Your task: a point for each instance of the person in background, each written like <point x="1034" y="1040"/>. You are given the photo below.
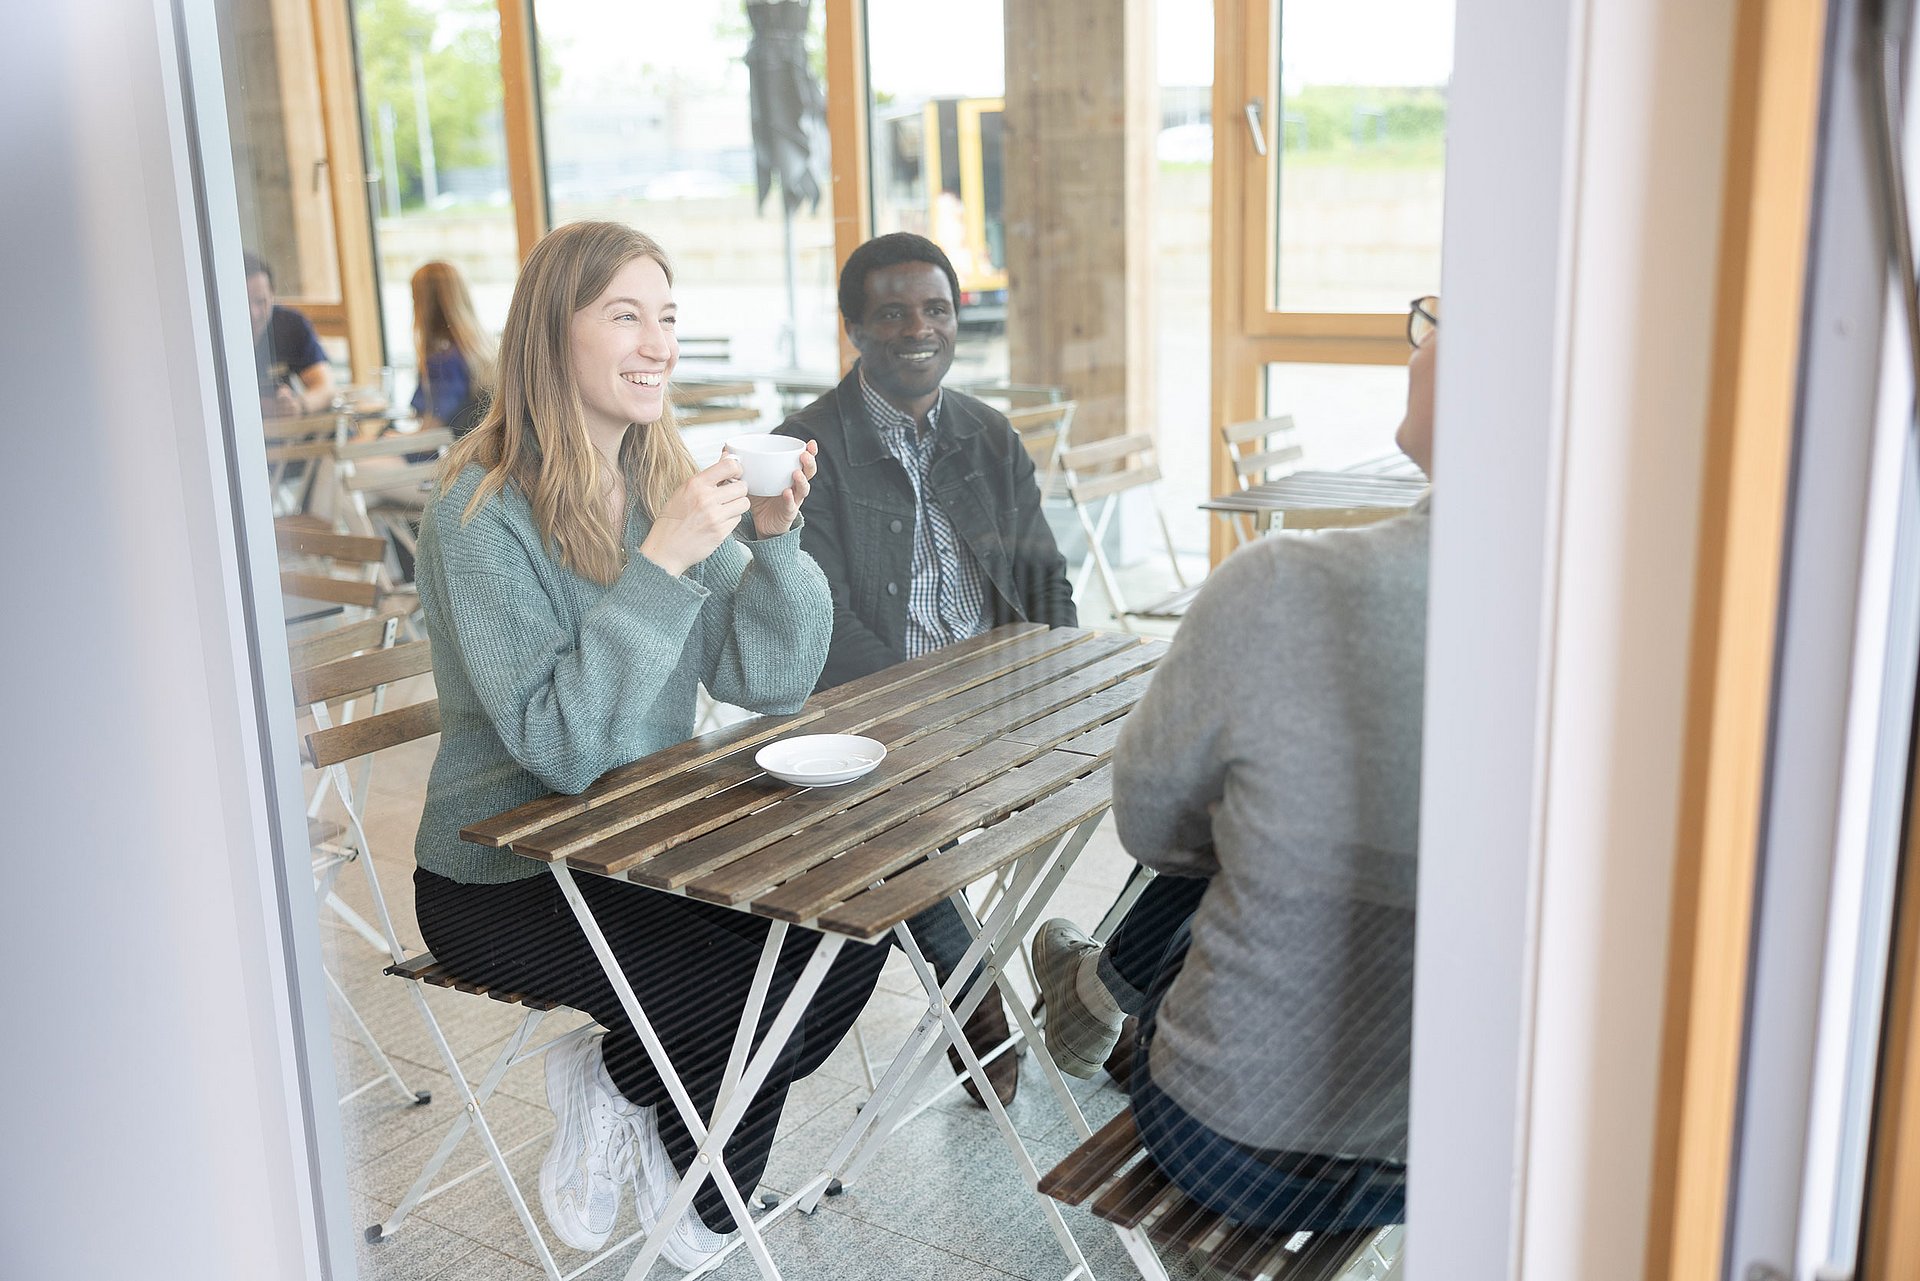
<point x="1271" y="775"/>
<point x="453" y="353"/>
<point x="580" y="580"/>
<point x="926" y="519"/>
<point x="292" y="369"/>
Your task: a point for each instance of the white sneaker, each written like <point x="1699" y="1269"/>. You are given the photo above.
<point x="689" y="1243"/>
<point x="592" y="1155"/>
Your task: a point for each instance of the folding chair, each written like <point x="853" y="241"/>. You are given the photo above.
<point x="1044" y="430"/>
<point x="1260" y="450"/>
<point x="365" y="585"/>
<point x="384" y="498"/>
<point x="342" y="682"/>
<point x="1128" y="1190"/>
<point x="1097" y="475"/>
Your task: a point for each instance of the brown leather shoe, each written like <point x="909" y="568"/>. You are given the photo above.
<point x="985" y="1029"/>
<point x="1119" y="1064"/>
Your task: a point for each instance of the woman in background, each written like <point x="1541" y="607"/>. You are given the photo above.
<point x="453" y="353"/>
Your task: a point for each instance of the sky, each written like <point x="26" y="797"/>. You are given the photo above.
<point x="1382" y="42"/>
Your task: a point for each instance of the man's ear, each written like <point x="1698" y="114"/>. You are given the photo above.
<point x="857" y="335"/>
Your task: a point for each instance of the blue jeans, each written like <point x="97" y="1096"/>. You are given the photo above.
<point x="1292" y="1191"/>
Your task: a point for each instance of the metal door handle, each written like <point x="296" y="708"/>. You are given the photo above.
<point x="1255" y="127"/>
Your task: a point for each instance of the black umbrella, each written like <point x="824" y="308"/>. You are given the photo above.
<point x="789" y="120"/>
<point x="789" y="108"/>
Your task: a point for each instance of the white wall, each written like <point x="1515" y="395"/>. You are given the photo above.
<point x="1583" y="196"/>
<point x="149" y="1091"/>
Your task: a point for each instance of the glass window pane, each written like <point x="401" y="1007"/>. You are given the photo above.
<point x="647" y="119"/>
<point x="430" y="99"/>
<point x="1360" y="166"/>
<point x="1344" y="414"/>
<point x="937" y="117"/>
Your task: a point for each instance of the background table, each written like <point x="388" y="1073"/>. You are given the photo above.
<point x="1322" y="499"/>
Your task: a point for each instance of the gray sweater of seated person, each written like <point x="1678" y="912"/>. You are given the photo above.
<point x="1283" y="730"/>
<point x="547" y="680"/>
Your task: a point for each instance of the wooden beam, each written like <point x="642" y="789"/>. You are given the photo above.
<point x="848" y="138"/>
<point x="315" y="266"/>
<point x="1080" y="125"/>
<point x="520" y="104"/>
<point x="1236" y="369"/>
<point x="1765" y="223"/>
<point x="347" y="179"/>
<point x="1892" y="1231"/>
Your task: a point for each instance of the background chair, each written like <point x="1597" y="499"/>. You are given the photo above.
<point x="1097" y="475"/>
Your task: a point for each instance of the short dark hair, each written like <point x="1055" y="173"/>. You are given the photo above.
<point x="257" y="266"/>
<point x="888" y="251"/>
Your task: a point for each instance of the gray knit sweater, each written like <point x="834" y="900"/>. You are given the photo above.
<point x="1278" y="751"/>
<point x="547" y="680"/>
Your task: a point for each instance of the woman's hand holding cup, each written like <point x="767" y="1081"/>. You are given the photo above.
<point x="698" y="518"/>
<point x="773" y="513"/>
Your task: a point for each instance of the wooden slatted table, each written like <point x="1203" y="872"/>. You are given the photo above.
<point x="1003" y="740"/>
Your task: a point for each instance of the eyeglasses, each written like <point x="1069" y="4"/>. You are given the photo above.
<point x="1423" y="318"/>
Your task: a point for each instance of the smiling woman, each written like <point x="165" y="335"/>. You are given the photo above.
<point x="580" y="580"/>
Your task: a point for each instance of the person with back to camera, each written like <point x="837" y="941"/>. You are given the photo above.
<point x="580" y="578"/>
<point x="1271" y="775"/>
<point x="926" y="519"/>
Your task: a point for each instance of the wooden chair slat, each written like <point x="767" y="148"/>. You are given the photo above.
<point x="699" y="391"/>
<point x="1092" y="491"/>
<point x="1112" y="450"/>
<point x="1187" y="1225"/>
<point x="351" y="675"/>
<point x="300" y="451"/>
<point x="393" y="446"/>
<point x="1267" y="459"/>
<point x="1324" y="1257"/>
<point x="807" y="896"/>
<point x="1129" y="1199"/>
<point x="389" y="729"/>
<point x="871" y="914"/>
<point x="357" y="548"/>
<point x="1094" y="1161"/>
<point x="1257" y="429"/>
<point x="705" y="415"/>
<point x="788" y="858"/>
<point x="720" y="849"/>
<point x="504" y="829"/>
<point x="1025" y="418"/>
<point x="409" y="477"/>
<point x="368" y="633"/>
<point x="339" y="591"/>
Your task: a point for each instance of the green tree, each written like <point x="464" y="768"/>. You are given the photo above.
<point x="458" y="42"/>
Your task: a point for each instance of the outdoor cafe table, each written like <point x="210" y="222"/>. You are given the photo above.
<point x="1006" y="737"/>
<point x="1318" y="499"/>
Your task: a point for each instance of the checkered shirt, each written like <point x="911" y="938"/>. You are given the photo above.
<point x="947" y="599"/>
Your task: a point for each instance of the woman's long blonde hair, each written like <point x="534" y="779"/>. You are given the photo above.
<point x="535" y="434"/>
<point x="443" y="317"/>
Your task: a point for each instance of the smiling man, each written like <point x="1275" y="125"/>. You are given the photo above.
<point x="925" y="514"/>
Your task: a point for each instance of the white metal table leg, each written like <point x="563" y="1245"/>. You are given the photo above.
<point x="709" y="1162"/>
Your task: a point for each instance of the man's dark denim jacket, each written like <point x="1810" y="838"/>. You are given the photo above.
<point x="859" y="523"/>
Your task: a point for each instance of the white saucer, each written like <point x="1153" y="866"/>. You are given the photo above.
<point x="820" y="760"/>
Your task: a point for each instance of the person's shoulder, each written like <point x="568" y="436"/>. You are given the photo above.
<point x="818" y="420"/>
<point x="446" y="360"/>
<point x="1326" y="564"/>
<point x="291" y="321"/>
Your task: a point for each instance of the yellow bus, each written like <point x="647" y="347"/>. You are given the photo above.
<point x="941" y="167"/>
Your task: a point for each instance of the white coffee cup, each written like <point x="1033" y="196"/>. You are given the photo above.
<point x="768" y="461"/>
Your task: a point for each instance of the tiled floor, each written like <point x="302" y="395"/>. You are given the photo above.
<point x="944" y="1200"/>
